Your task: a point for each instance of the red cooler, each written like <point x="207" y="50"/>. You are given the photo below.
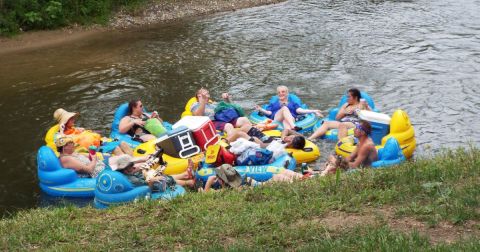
<point x="203" y="130"/>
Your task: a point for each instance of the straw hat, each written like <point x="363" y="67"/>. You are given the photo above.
<point x="62" y="116"/>
<point x="63" y="140"/>
<point x="229" y="175"/>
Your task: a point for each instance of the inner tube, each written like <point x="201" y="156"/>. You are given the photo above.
<point x="57" y="181"/>
<point x="391" y="153"/>
<point x="305" y="121"/>
<point x="332" y="135"/>
<point x="174" y="165"/>
<point x="309" y="153"/>
<point x="260" y="173"/>
<point x="113" y="188"/>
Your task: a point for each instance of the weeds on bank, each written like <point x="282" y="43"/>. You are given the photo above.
<point x="277" y="216"/>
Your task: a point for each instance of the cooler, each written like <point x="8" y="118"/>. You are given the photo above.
<point x="380" y="124"/>
<point x="178" y="143"/>
<point x="202" y="128"/>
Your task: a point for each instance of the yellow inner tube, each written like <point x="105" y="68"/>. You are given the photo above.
<point x="174" y="165"/>
<point x="400" y="129"/>
<point x="83" y="138"/>
<point x="309" y="154"/>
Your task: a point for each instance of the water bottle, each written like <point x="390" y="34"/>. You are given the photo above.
<point x="304" y="168"/>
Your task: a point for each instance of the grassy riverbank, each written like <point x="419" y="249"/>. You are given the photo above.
<point x="429" y="204"/>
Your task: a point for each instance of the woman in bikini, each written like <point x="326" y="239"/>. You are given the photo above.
<point x="133" y="124"/>
<point x="346" y="117"/>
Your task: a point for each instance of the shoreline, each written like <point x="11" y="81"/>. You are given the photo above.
<point x="152" y="13"/>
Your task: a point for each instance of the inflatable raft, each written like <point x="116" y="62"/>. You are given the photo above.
<point x="384" y="128"/>
<point x="57" y="181"/>
<point x="113" y="188"/>
<point x="309" y="153"/>
<point x="174" y="165"/>
<point x="332" y="135"/>
<point x="115" y="134"/>
<point x="305" y="121"/>
<point x="260" y="173"/>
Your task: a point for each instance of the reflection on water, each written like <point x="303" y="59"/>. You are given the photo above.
<point x="420" y="56"/>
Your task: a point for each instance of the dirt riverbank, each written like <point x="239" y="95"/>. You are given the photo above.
<point x="153" y="13"/>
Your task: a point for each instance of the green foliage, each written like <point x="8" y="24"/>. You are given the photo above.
<point x="50" y="14"/>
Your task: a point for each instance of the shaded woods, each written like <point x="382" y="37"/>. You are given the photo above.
<point x="24" y="15"/>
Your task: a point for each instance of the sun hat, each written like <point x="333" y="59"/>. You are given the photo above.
<point x="120" y="162"/>
<point x="63" y="140"/>
<point x="229" y="175"/>
<point x="62" y="116"/>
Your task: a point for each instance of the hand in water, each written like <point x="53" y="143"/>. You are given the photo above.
<point x="257" y="107"/>
<point x="318" y="113"/>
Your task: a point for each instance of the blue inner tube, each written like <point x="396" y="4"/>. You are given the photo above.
<point x="305" y="121"/>
<point x="57" y="181"/>
<point x="120" y="113"/>
<point x="260" y="173"/>
<point x="332" y="135"/>
<point x="114" y="188"/>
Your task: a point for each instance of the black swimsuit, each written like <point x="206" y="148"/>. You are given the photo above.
<point x="135" y="127"/>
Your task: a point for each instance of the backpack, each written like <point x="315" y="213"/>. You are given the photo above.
<point x="255" y="156"/>
<point x="226" y="115"/>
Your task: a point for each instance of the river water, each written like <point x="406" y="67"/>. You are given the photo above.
<point x="421" y="56"/>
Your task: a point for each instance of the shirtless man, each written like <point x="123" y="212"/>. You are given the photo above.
<point x="364" y="154"/>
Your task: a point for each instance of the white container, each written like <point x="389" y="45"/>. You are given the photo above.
<point x="380" y="124"/>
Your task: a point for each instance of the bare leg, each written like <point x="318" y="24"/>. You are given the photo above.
<point x="284" y="116"/>
<point x="236" y="134"/>
<point x="343" y="129"/>
<point x="330" y="166"/>
<point x="291" y="174"/>
<point x="324" y="128"/>
<point x="147" y="137"/>
<point x="126" y="148"/>
<point x="281" y="178"/>
<point x="242" y="121"/>
<point x="190" y="183"/>
<point x="117" y="151"/>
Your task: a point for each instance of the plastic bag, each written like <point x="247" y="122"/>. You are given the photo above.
<point x="241" y="145"/>
<point x="278" y="148"/>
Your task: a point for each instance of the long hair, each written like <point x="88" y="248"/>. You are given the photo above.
<point x="131" y="105"/>
<point x="355" y="93"/>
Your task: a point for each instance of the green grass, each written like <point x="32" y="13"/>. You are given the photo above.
<point x="437" y="191"/>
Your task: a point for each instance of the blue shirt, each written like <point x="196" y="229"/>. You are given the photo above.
<point x="276" y="106"/>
